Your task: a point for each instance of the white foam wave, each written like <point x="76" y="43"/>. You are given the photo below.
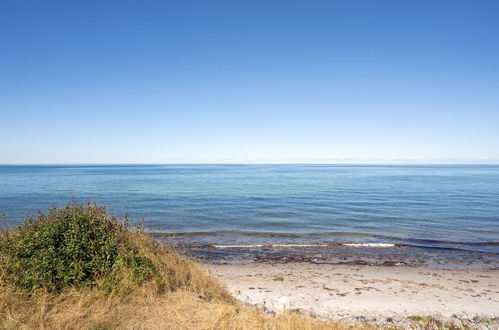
<point x="269" y="245"/>
<point x="252" y="246"/>
<point x="375" y="245"/>
<point x="237" y="246"/>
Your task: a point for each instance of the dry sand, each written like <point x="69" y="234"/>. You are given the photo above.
<point x="366" y="292"/>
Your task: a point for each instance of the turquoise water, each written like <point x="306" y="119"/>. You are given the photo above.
<point x="445" y="214"/>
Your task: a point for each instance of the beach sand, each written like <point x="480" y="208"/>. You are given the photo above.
<point x="367" y="293"/>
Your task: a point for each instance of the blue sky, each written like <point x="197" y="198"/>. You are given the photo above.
<point x="249" y="81"/>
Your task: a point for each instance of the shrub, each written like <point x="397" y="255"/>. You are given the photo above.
<point x="74" y="246"/>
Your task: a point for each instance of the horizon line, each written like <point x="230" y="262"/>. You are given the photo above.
<point x="249" y="163"/>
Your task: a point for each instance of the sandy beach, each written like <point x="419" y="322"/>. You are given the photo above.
<point x="368" y="293"/>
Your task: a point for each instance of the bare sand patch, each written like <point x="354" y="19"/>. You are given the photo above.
<point x="372" y="292"/>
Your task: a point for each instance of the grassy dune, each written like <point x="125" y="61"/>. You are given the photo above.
<point x="77" y="267"/>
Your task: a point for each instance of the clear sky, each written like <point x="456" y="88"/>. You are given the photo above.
<point x="249" y="81"/>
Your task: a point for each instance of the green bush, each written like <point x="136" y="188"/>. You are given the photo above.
<point x="77" y="245"/>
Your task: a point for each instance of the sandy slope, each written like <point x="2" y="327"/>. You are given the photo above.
<point x="350" y="291"/>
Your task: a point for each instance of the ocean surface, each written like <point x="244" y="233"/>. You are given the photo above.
<point x="437" y="216"/>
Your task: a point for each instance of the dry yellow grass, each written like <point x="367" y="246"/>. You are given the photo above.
<point x="178" y="310"/>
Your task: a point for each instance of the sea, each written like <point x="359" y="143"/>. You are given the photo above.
<point x="443" y="216"/>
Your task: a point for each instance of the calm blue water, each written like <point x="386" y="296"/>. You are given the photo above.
<point x="445" y="214"/>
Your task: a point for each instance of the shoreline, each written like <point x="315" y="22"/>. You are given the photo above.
<point x="384" y="295"/>
<point x="229" y="250"/>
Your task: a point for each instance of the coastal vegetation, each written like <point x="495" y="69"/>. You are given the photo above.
<point x="79" y="267"/>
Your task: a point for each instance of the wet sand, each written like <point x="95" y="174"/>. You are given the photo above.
<point x="365" y="292"/>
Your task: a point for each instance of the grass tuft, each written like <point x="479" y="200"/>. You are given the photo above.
<point x="419" y="318"/>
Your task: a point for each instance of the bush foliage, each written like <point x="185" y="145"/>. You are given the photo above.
<point x="73" y="246"/>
